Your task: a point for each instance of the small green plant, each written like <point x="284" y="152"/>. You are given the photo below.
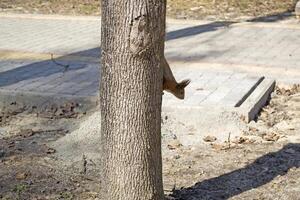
<point x="19" y="189"/>
<point x="5" y="198"/>
<point x="66" y="196"/>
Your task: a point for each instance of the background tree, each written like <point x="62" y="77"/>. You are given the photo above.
<point x="133" y="33"/>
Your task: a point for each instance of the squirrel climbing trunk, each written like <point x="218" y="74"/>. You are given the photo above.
<point x="169" y="82"/>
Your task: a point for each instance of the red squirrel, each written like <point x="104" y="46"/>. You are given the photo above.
<point x="169" y="82"/>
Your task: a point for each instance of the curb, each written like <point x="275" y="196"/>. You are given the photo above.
<point x="257" y="99"/>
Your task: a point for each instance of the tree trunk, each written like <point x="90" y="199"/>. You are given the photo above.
<point x="132" y="40"/>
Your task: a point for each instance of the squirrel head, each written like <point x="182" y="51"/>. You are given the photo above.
<point x="180" y="89"/>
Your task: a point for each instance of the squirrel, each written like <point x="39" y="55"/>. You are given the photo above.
<point x="169" y="82"/>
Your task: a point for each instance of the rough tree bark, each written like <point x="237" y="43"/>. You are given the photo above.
<point x="132" y="38"/>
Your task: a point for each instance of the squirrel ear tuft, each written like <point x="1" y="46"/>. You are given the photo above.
<point x="184" y="83"/>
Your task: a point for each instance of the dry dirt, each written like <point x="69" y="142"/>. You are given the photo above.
<point x="188" y="9"/>
<point x="38" y="158"/>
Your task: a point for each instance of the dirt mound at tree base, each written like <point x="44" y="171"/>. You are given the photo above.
<point x="83" y="141"/>
<point x="86" y="140"/>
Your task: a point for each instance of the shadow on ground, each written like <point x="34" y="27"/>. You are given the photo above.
<point x="273" y="17"/>
<point x="260" y="172"/>
<point x="213" y="26"/>
<point x="196" y="30"/>
<point x="39" y="71"/>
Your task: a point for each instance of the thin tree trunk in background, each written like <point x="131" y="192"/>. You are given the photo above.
<point x="132" y="41"/>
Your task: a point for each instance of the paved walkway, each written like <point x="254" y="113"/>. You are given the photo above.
<point x="224" y="60"/>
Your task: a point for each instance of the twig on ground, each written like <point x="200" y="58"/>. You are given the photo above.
<point x="66" y="67"/>
<point x="84" y="163"/>
<point x="229" y="140"/>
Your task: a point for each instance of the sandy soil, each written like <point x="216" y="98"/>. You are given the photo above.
<point x="56" y="158"/>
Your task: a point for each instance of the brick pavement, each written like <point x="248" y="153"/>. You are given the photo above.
<point x="26" y="45"/>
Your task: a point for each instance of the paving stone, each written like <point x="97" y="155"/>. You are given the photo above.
<point x="78" y="41"/>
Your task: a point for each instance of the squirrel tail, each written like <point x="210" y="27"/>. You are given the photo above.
<point x="183" y="84"/>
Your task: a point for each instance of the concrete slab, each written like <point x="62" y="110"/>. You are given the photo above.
<point x="257" y="99"/>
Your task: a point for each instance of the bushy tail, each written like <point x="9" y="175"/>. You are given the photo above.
<point x="179" y="90"/>
<point x="183" y="84"/>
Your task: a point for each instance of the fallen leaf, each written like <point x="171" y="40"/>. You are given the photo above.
<point x="209" y="139"/>
<point x="174" y="144"/>
<point x="22" y="175"/>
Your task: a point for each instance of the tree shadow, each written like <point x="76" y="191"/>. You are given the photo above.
<point x="273" y="17"/>
<point x="39" y="71"/>
<point x="260" y="172"/>
<point x="196" y="30"/>
<point x="214" y="26"/>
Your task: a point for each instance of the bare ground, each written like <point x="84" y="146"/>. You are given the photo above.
<point x="261" y="164"/>
<point x="189" y="9"/>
